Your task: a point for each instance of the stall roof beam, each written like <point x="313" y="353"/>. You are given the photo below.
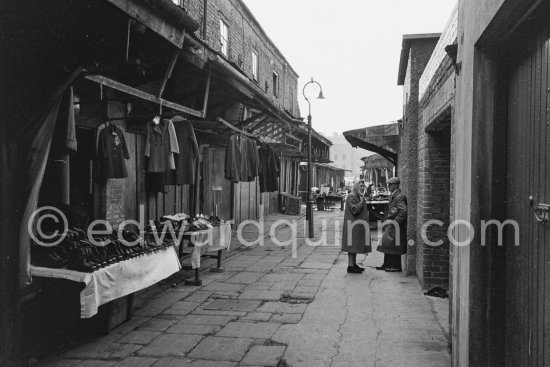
<point x="141" y="94"/>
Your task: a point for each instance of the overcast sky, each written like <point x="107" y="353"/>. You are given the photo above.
<point x="352" y="48"/>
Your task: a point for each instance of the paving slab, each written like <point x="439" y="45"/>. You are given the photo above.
<point x="222" y="286"/>
<point x="137" y="362"/>
<point x="157" y="305"/>
<point x="103" y="351"/>
<point x="310" y="282"/>
<point x="263" y="356"/>
<point x="257" y="316"/>
<point x="284" y="286"/>
<point x="207" y="320"/>
<point x="198" y="296"/>
<point x="179" y="362"/>
<point x="249" y="329"/>
<point x="222" y="349"/>
<point x="60" y="363"/>
<point x="139" y="337"/>
<point x="201" y="311"/>
<point x="169" y="346"/>
<point x="260" y="294"/>
<point x="310" y="290"/>
<point x="283" y="307"/>
<point x="281" y="277"/>
<point x="260" y="285"/>
<point x="232" y="305"/>
<point x="156" y="324"/>
<point x="184" y="328"/>
<point x="286" y="318"/>
<point x="245" y="277"/>
<point x="96" y="363"/>
<point x="181" y="308"/>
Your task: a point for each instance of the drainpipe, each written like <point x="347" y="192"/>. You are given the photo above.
<point x="204" y="19"/>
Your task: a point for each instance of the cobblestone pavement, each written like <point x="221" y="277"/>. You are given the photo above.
<point x="274" y="303"/>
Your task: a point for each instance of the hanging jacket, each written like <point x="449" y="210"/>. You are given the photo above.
<point x="111" y="152"/>
<point x="253" y="160"/>
<point x="160" y="146"/>
<point x="269" y="167"/>
<point x="188" y="152"/>
<point x="233" y="159"/>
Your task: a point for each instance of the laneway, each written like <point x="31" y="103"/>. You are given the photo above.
<point x="268" y="305"/>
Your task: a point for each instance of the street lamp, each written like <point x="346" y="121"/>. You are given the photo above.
<point x="309" y="202"/>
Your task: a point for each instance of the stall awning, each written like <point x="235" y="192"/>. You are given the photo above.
<point x="381" y="139"/>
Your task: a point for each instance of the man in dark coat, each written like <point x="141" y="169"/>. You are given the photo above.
<point x="388" y="245"/>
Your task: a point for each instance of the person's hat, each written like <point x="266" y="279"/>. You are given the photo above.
<point x="394" y="180"/>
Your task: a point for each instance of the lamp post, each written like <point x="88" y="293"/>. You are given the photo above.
<point x="309" y="202"/>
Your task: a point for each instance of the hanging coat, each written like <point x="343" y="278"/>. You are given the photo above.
<point x="397" y="211"/>
<point x="253" y="160"/>
<point x="112" y="152"/>
<point x="356" y="217"/>
<point x="160" y="146"/>
<point x="188" y="152"/>
<point x="233" y="159"/>
<point x="269" y="169"/>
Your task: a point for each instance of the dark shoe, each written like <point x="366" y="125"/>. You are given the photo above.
<point x="354" y="270"/>
<point x="392" y="270"/>
<point x="358" y="267"/>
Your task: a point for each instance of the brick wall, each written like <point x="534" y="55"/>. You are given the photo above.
<point x="420" y="53"/>
<point x="246" y="35"/>
<point x="435" y="131"/>
<point x="448" y="37"/>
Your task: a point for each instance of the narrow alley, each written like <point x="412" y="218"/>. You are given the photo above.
<point x="268" y="307"/>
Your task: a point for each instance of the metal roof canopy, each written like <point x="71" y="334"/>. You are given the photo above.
<point x="381" y="139"/>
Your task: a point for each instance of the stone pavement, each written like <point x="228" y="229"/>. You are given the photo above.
<point x="270" y="305"/>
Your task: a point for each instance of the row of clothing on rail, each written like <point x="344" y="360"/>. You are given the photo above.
<point x="170" y="146"/>
<point x="244" y="161"/>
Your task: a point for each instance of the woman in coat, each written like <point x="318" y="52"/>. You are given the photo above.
<point x="356" y="232"/>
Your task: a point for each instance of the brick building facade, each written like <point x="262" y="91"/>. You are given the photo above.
<point x="415" y="54"/>
<point x="436" y="101"/>
<point x="273" y="74"/>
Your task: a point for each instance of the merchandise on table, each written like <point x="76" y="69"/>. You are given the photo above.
<point x="77" y="252"/>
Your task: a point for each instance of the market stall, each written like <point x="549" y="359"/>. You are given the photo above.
<point x="117" y="280"/>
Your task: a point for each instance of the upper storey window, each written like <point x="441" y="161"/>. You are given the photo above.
<point x="255" y="66"/>
<point x="224" y="38"/>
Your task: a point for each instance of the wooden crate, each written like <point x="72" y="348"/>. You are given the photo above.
<point x="289" y="204"/>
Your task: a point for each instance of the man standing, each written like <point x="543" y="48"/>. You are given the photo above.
<point x="393" y="247"/>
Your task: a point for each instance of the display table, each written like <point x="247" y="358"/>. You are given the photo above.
<point x="325" y="202"/>
<point x="116" y="280"/>
<point x="199" y="243"/>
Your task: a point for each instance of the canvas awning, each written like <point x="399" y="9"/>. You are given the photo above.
<point x="381" y="139"/>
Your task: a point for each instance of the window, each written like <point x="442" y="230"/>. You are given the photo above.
<point x="336" y="157"/>
<point x="255" y="65"/>
<point x="344" y="157"/>
<point x="275" y="84"/>
<point x="224" y="38"/>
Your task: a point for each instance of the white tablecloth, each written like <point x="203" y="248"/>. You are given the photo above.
<point x="116" y="280"/>
<point x="217" y="238"/>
